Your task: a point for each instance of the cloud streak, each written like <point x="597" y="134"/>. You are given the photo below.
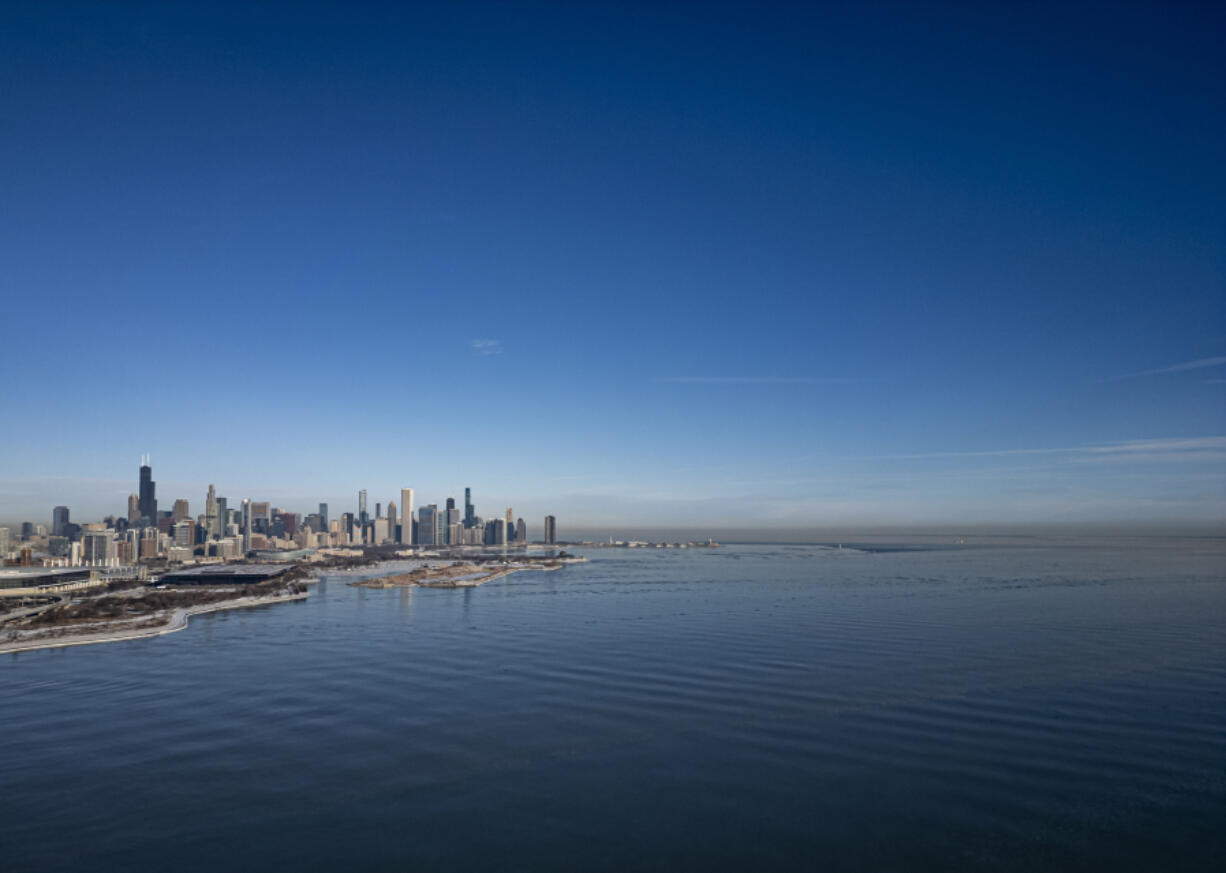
<point x="486" y="346"/>
<point x="751" y="380"/>
<point x="1169" y="449"/>
<point x="1198" y="364"/>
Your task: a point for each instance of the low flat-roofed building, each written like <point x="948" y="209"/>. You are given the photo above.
<point x="277" y="555"/>
<point x="225" y="574"/>
<point x="39" y="577"/>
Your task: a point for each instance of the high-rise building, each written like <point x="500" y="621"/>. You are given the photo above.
<point x="133" y="509"/>
<point x="450" y="521"/>
<point x="427" y="525"/>
<point x="211" y="520"/>
<point x="323" y="517"/>
<point x="148" y="491"/>
<point x="27" y="531"/>
<point x="261" y="516"/>
<point x="450" y="503"/>
<point x="246" y="525"/>
<point x="181" y="511"/>
<point x="392" y="521"/>
<point x="469" y="512"/>
<point x="182" y="534"/>
<point x="521" y="531"/>
<point x="59" y="520"/>
<point x="4" y="542"/>
<point x="406" y="516"/>
<point x="223" y="518"/>
<point x="362" y="507"/>
<point x="96" y="546"/>
<point x="551" y="530"/>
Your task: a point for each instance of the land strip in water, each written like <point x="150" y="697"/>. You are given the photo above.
<point x="459" y="574"/>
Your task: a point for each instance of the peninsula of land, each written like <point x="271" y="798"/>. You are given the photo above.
<point x="461" y="574"/>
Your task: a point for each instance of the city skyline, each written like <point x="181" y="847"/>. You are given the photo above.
<point x="790" y="267"/>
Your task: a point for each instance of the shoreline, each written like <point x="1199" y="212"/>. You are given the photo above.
<point x="176" y="621"/>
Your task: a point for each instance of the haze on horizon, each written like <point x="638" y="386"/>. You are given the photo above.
<point x="668" y="266"/>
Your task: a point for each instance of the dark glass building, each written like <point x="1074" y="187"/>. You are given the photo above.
<point x="59" y="521"/>
<point x="148" y="503"/>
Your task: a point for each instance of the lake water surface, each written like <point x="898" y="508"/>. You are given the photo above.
<point x="1027" y="706"/>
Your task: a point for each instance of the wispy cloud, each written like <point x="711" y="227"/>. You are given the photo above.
<point x="1173" y="449"/>
<point x="486" y="346"/>
<point x="1198" y="364"/>
<point x="751" y="380"/>
<point x="1163" y="445"/>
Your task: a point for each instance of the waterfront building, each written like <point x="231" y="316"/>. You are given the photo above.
<point x="551" y="530"/>
<point x="148" y="491"/>
<point x="521" y="531"/>
<point x="406" y="517"/>
<point x="59" y="520"/>
<point x="183" y="534"/>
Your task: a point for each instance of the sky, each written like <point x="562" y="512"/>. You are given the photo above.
<point x="712" y="265"/>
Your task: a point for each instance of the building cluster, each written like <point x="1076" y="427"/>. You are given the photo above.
<point x="224" y="532"/>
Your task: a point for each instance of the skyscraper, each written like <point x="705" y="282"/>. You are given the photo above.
<point x="133" y="509"/>
<point x="469" y="512"/>
<point x="246" y="525"/>
<point x="362" y="507"/>
<point x="59" y="520"/>
<point x="551" y="530"/>
<point x="521" y="531"/>
<point x="427" y="525"/>
<point x="323" y="517"/>
<point x="406" y="516"/>
<point x="451" y="524"/>
<point x="210" y="513"/>
<point x="148" y="491"/>
<point x="181" y="511"/>
<point x="391" y="521"/>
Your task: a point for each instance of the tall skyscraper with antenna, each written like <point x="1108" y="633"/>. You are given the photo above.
<point x="148" y="500"/>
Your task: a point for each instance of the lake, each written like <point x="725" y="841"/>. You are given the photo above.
<point x="1022" y="705"/>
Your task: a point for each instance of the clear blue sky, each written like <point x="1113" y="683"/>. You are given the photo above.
<point x="698" y="265"/>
